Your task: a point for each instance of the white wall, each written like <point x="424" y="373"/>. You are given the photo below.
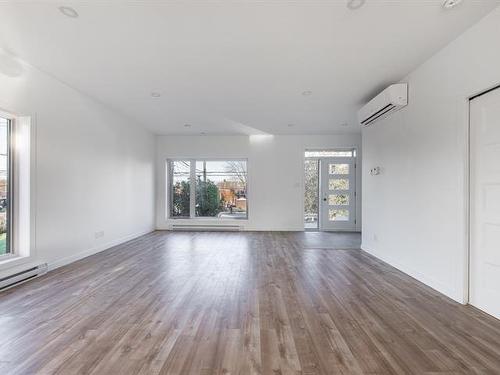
<point x="94" y="169"/>
<point x="275" y="173"/>
<point x="414" y="212"/>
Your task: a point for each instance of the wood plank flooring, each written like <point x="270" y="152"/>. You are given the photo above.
<point x="239" y="303"/>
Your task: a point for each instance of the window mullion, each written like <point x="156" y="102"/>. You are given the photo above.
<point x="192" y="189"/>
<point x="169" y="211"/>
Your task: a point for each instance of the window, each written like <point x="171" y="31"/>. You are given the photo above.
<point x="311" y="193"/>
<point x="5" y="190"/>
<point x="338" y="215"/>
<point x="181" y="171"/>
<point x="219" y="186"/>
<point x="16" y="208"/>
<point x="330" y="154"/>
<point x="338" y="184"/>
<point x="338" y="199"/>
<point x="338" y="169"/>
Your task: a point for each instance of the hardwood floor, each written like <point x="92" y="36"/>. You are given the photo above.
<point x="239" y="303"/>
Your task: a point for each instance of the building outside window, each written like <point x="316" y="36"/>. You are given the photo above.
<point x="5" y="190"/>
<point x="219" y="186"/>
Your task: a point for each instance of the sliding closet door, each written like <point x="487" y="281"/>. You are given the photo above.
<point x="485" y="202"/>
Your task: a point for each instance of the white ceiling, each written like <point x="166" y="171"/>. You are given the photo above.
<point x="234" y="67"/>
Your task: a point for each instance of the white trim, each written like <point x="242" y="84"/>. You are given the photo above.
<point x="83" y="254"/>
<point x="480" y="92"/>
<point x="24" y="190"/>
<point x="467" y="203"/>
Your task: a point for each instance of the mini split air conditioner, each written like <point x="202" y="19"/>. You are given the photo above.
<point x="390" y="100"/>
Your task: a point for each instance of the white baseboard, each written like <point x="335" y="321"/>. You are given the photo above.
<point x="425" y="279"/>
<point x="95" y="250"/>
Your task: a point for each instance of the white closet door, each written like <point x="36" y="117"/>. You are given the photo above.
<point x="485" y="202"/>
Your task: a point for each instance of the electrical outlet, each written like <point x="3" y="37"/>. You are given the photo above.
<point x="99" y="234"/>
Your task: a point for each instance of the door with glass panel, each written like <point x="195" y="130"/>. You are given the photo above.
<point x="337" y="193"/>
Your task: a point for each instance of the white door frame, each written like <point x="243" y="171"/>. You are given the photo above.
<point x="356" y="149"/>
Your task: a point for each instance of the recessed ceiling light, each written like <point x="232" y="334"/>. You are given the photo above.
<point x="306" y="93"/>
<point x="355" y="4"/>
<point x="155" y="94"/>
<point x="187" y="125"/>
<point x="448" y="4"/>
<point x="68" y="11"/>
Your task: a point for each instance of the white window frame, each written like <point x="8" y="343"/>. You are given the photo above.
<point x="22" y="172"/>
<point x="10" y="193"/>
<point x="192" y="188"/>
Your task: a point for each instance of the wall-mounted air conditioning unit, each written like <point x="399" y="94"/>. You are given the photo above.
<point x="388" y="101"/>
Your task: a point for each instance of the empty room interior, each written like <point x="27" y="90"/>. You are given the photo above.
<point x="249" y="187"/>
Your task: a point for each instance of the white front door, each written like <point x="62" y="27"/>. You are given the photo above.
<point x="337" y="193"/>
<point x="485" y="202"/>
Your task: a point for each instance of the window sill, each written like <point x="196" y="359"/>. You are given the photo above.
<point x="6" y="257"/>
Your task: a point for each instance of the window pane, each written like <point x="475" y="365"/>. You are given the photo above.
<point x="180" y="172"/>
<point x="338" y="184"/>
<point x="338" y="168"/>
<point x="329" y="154"/>
<point x="338" y="200"/>
<point x="221" y="189"/>
<point x="4" y="186"/>
<point x="338" y="215"/>
<point x="311" y="197"/>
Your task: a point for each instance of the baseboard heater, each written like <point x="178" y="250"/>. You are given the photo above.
<point x="207" y="227"/>
<point x="22" y="277"/>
